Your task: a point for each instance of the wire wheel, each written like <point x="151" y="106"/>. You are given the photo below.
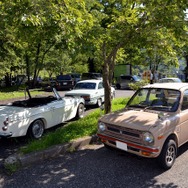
<point x="80" y="111"/>
<point x="36" y="129"/>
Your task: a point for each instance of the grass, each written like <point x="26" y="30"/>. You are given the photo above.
<point x="14" y="92"/>
<point x="73" y="130"/>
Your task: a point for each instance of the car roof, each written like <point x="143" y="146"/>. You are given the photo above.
<point x="92" y="81"/>
<point x="176" y="86"/>
<point x="169" y="78"/>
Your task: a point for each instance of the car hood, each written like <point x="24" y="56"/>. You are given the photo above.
<point x="78" y="92"/>
<point x="137" y="119"/>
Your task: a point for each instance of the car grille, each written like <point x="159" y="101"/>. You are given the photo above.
<point x="124" y="134"/>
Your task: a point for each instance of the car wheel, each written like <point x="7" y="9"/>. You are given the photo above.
<point x="99" y="102"/>
<point x="168" y="154"/>
<point x="118" y="86"/>
<point x="36" y="129"/>
<point x="80" y="111"/>
<point x="113" y="96"/>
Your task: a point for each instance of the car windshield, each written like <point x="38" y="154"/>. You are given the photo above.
<point x="136" y="78"/>
<point x="156" y="99"/>
<point x="85" y="85"/>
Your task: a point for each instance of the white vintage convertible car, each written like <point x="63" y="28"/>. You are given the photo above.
<point x="35" y="114"/>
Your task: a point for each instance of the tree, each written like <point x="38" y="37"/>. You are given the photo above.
<point x="130" y="24"/>
<point x="40" y="27"/>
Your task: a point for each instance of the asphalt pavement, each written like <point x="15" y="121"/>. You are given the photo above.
<point x="98" y="167"/>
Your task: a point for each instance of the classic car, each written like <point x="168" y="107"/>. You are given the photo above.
<point x="123" y="81"/>
<point x="91" y="90"/>
<point x="170" y="79"/>
<point x="153" y="124"/>
<point x="35" y="114"/>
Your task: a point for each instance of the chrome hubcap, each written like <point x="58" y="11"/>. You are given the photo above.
<point x="170" y="154"/>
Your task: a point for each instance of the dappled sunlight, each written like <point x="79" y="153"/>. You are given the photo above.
<point x="94" y="168"/>
<point x="132" y="117"/>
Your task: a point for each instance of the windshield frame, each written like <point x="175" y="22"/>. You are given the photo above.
<point x="152" y="95"/>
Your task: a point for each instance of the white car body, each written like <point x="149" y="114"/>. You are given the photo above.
<point x="91" y="90"/>
<point x="17" y="118"/>
<point x="169" y="80"/>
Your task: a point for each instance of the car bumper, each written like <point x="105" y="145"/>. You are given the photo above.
<point x="91" y="102"/>
<point x="5" y="135"/>
<point x="140" y="150"/>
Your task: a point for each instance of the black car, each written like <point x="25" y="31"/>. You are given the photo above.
<point x="91" y="75"/>
<point x="65" y="82"/>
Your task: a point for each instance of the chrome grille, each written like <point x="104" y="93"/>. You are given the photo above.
<point x="124" y="134"/>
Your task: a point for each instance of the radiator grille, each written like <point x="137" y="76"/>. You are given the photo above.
<point x="124" y="134"/>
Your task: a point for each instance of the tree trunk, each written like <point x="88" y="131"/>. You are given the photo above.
<point x="107" y="90"/>
<point x="36" y="65"/>
<point x="186" y="69"/>
<point x="108" y="69"/>
<point x="27" y="69"/>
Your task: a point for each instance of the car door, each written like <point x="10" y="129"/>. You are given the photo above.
<point x="184" y="119"/>
<point x="57" y="109"/>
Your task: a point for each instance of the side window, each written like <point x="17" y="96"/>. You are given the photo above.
<point x="100" y="86"/>
<point x="185" y="101"/>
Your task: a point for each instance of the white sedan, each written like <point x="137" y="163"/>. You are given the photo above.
<point x="169" y="80"/>
<point x="91" y="90"/>
<point x="33" y="115"/>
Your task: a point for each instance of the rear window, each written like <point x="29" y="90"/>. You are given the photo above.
<point x="65" y="77"/>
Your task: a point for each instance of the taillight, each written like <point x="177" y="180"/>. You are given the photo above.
<point x="86" y="97"/>
<point x="6" y="122"/>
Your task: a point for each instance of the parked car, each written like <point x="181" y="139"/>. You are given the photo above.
<point x="167" y="80"/>
<point x="35" y="114"/>
<point x="76" y="77"/>
<point x="91" y="75"/>
<point x="65" y="82"/>
<point x="153" y="124"/>
<point x="91" y="90"/>
<point x="123" y="81"/>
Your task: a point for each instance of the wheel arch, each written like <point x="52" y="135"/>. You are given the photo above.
<point x="172" y="136"/>
<point x="42" y="119"/>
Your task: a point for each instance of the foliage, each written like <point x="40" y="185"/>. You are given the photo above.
<point x="149" y="29"/>
<point x="62" y="35"/>
<point x="137" y="85"/>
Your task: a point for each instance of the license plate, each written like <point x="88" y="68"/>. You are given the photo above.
<point x="65" y="83"/>
<point x="121" y="145"/>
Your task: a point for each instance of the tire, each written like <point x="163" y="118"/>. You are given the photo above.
<point x="168" y="154"/>
<point x="80" y="111"/>
<point x="99" y="102"/>
<point x="36" y="129"/>
<point x="113" y="96"/>
<point x="118" y="86"/>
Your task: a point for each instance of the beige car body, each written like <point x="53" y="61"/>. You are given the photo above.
<point x="124" y="129"/>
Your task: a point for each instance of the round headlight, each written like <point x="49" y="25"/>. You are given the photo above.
<point x="148" y="138"/>
<point x="101" y="126"/>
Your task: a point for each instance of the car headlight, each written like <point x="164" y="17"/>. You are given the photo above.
<point x="148" y="138"/>
<point x="101" y="127"/>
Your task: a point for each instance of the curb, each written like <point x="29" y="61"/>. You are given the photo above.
<point x="50" y="153"/>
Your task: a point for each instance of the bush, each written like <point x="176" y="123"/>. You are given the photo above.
<point x="137" y="85"/>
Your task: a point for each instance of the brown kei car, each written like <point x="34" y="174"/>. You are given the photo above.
<point x="153" y="124"/>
